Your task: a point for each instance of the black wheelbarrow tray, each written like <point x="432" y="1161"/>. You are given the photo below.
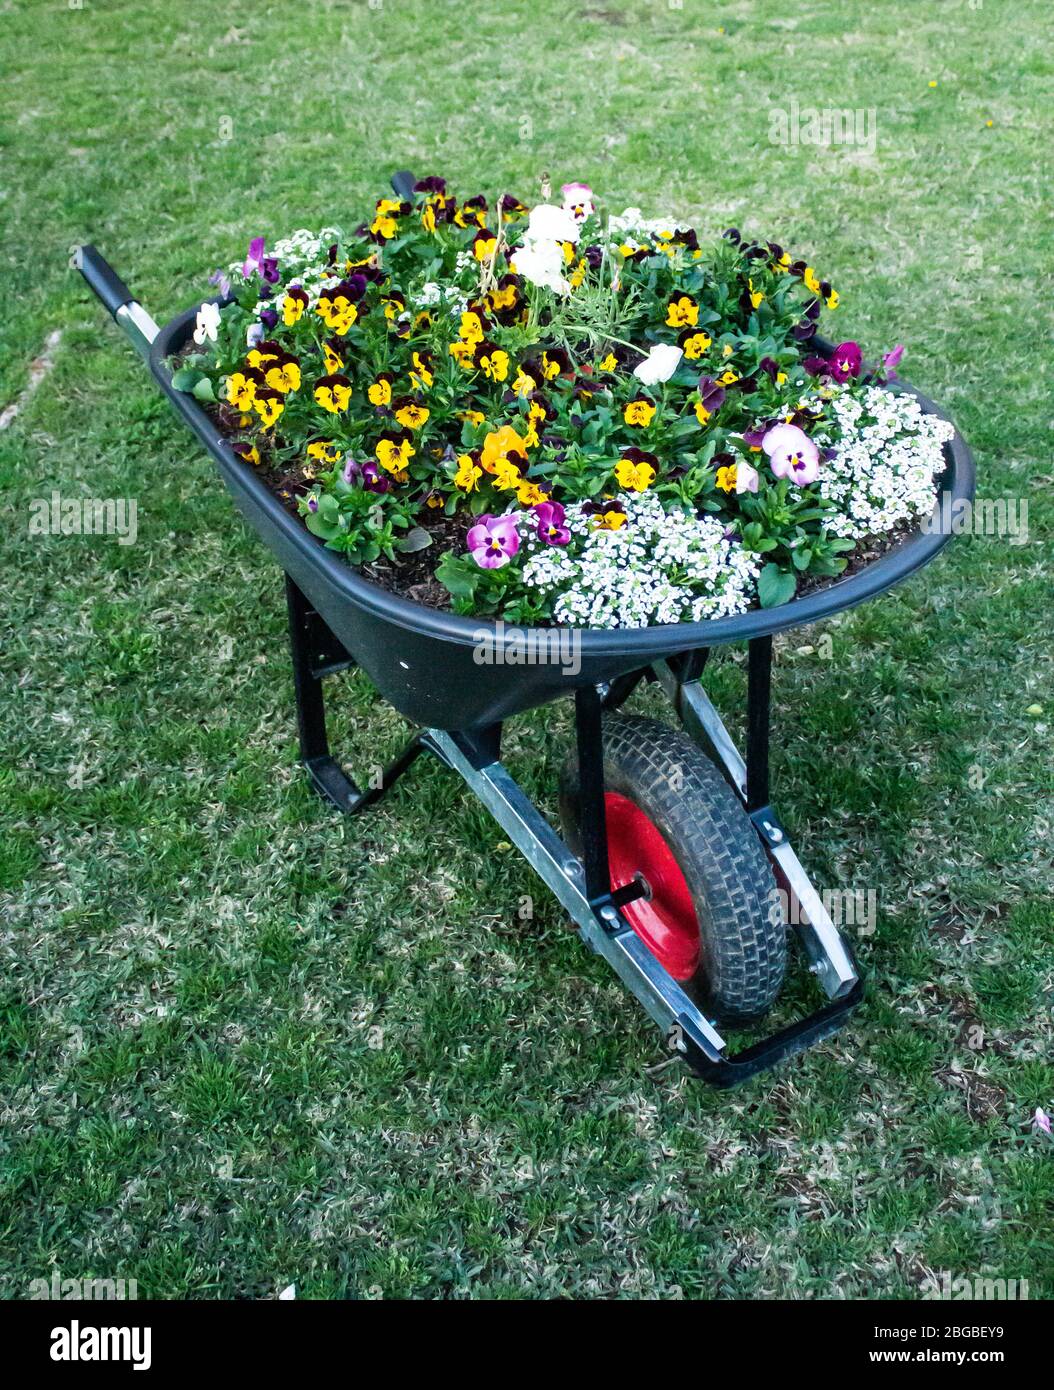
<point x="673" y="864"/>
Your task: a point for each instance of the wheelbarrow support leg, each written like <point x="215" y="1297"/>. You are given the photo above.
<point x="318" y="653"/>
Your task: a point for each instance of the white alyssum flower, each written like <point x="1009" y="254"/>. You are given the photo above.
<point x="632" y="226"/>
<point x="207" y="323"/>
<point x="659" y="365"/>
<point x="889" y="455"/>
<point x="659" y="567"/>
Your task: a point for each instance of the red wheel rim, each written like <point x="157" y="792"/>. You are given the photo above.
<point x="665" y="920"/>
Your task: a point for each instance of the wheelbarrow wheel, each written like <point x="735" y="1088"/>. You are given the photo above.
<point x="710" y="913"/>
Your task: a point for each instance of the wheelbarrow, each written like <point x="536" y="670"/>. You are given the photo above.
<point x="673" y="863"/>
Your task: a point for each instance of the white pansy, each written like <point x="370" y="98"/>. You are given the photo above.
<point x="659" y="365"/>
<point x="542" y="263"/>
<point x="207" y="323"/>
<point x="547" y="222"/>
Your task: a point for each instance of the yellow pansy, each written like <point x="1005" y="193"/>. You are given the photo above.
<point x="530" y="494"/>
<point x="695" y="344"/>
<point x="422" y="376"/>
<point x="682" y="312"/>
<point x="756" y="296"/>
<point x="394" y="455"/>
<point x="726" y="478"/>
<point x="608" y="364"/>
<point x="283" y="376"/>
<point x="241" y="390"/>
<point x="494" y="363"/>
<point x="524" y="383"/>
<point x="638" y="477"/>
<point x="325" y="451"/>
<point x="379" y="392"/>
<point x="507" y="475"/>
<point x="268" y="404"/>
<point x="411" y="415"/>
<point x="468" y="473"/>
<point x="471" y="327"/>
<point x="333" y="360"/>
<point x="810" y="280"/>
<point x="638" y="412"/>
<point x="294" y="302"/>
<point x="333" y="393"/>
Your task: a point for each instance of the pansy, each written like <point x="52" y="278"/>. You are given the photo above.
<point x="548" y="223"/>
<point x="336" y="308"/>
<point x="810" y="281"/>
<point x="473" y="326"/>
<point x="755" y="295"/>
<point x="484" y="244"/>
<point x="523" y="384"/>
<point x="379" y="392"/>
<point x="333" y="392"/>
<point x="891" y="361"/>
<point x="792" y="454"/>
<point x="384" y="225"/>
<point x="636" y="470"/>
<point x="711" y="399"/>
<point x="394" y="452"/>
<point x="682" y="312"/>
<point x="422" y="375"/>
<point x="551" y="529"/>
<point x="249" y="452"/>
<point x="372" y="479"/>
<point x="505" y="295"/>
<point x="608" y="363"/>
<point x="324" y="451"/>
<point x="410" y="414"/>
<point x="258" y="261"/>
<point x="493" y="541"/>
<point x="472" y="210"/>
<point x="659" y="365"/>
<point x="474" y="417"/>
<point x="542" y="263"/>
<point x="393" y="305"/>
<point x="242" y="388"/>
<point x="506" y="475"/>
<point x="284" y="375"/>
<point x="492" y="361"/>
<point x="263" y="352"/>
<point x="694" y="342"/>
<point x="846" y="361"/>
<point x="726" y="478"/>
<point x="294" y="302"/>
<point x="511" y="208"/>
<point x="578" y="200"/>
<point x="607" y="516"/>
<point x="468" y="472"/>
<point x="639" y="412"/>
<point x="464" y="353"/>
<point x="207" y="323"/>
<point x="746" y="478"/>
<point x="530" y="494"/>
<point x="555" y="362"/>
<point x="268" y="404"/>
<point x="222" y="283"/>
<point x="498" y="445"/>
<point x="333" y="356"/>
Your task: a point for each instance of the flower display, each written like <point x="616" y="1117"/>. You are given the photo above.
<point x="602" y="420"/>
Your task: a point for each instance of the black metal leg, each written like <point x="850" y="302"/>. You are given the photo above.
<point x="592" y="818"/>
<point x="759" y="692"/>
<point x="317" y="653"/>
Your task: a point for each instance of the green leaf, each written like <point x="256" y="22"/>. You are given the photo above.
<point x="203" y="390"/>
<point x="417" y="539"/>
<point x="775" y="586"/>
<point x="185" y="379"/>
<point x="455" y="574"/>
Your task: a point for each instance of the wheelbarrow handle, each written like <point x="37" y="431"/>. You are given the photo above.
<point x="103" y="280"/>
<point x="117" y="298"/>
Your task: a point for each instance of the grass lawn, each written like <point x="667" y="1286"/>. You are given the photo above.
<point x="244" y="1043"/>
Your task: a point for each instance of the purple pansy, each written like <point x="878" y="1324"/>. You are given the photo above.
<point x="493" y="541"/>
<point x="846" y="361"/>
<point x="711" y="395"/>
<point x="269" y="318"/>
<point x="373" y="480"/>
<point x="792" y="454"/>
<point x="222" y="283"/>
<point x="351" y="471"/>
<point x="259" y="261"/>
<point x="551" y="528"/>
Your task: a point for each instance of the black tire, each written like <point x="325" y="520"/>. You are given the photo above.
<point x="742" y="935"/>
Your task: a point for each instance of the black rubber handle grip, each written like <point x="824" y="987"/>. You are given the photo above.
<point x="103" y="280"/>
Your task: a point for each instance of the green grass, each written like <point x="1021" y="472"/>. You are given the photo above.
<point x="244" y="1043"/>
